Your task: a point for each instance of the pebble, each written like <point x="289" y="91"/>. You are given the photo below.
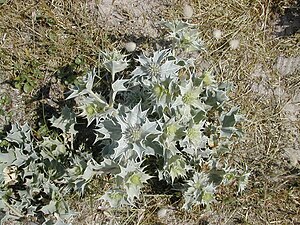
<point x="234" y="44"/>
<point x="188" y="11"/>
<point x="130" y="46"/>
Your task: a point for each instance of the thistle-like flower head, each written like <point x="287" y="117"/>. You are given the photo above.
<point x="92" y="109"/>
<point x="132" y="132"/>
<point x="114" y="62"/>
<point x="134" y="179"/>
<point x="157" y="68"/>
<point x="189" y="98"/>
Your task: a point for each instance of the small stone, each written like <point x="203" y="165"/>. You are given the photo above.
<point x="161" y="213"/>
<point x="217" y="34"/>
<point x="188" y="11"/>
<point x="279" y="92"/>
<point x="130" y="46"/>
<point x="234" y="44"/>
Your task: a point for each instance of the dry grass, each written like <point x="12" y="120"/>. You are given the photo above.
<point x="52" y="34"/>
<point x="272" y="196"/>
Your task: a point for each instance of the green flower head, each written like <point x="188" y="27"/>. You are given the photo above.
<point x="134" y="179"/>
<point x="157" y="68"/>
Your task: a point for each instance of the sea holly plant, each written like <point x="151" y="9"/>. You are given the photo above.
<point x="165" y="121"/>
<point x="184" y="36"/>
<point x="114" y="62"/>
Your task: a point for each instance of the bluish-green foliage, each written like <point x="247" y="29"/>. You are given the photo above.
<point x="166" y="110"/>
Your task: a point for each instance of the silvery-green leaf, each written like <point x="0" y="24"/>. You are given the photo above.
<point x="90" y="80"/>
<point x="109" y="129"/>
<point x="77" y="91"/>
<point x="122" y="149"/>
<point x="50" y="208"/>
<point x="6" y="216"/>
<point x="88" y="173"/>
<point x="115" y="66"/>
<point x="21" y="158"/>
<point x="189" y="40"/>
<point x="54" y="169"/>
<point x="66" y="121"/>
<point x="189" y="98"/>
<point x="142" y="150"/>
<point x="188" y="64"/>
<point x="159" y="56"/>
<point x="169" y="69"/>
<point x="176" y="26"/>
<point x="135" y="183"/>
<point x="228" y="121"/>
<point x="19" y="134"/>
<point x="185" y="35"/>
<point x="7" y="158"/>
<point x="221" y="96"/>
<point x="135" y="129"/>
<point x="80" y="186"/>
<point x="118" y="86"/>
<point x="114" y="62"/>
<point x="84" y="88"/>
<point x="132" y="117"/>
<point x="54" y="146"/>
<point x="229" y="175"/>
<point x="226" y="86"/>
<point x="14" y="211"/>
<point x="2" y="205"/>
